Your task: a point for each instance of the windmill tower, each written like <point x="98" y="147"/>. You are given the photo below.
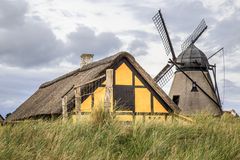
<point x="193" y="89"/>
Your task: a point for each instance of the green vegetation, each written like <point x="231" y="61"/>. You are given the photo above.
<point x="208" y="138"/>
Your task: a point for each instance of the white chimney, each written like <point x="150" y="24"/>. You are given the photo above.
<point x="86" y="58"/>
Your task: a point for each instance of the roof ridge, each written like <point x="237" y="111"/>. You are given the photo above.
<point x="85" y="67"/>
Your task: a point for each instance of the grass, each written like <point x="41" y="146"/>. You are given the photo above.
<point x="208" y="138"/>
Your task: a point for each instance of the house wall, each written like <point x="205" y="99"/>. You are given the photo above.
<point x="138" y="98"/>
<point x="97" y="97"/>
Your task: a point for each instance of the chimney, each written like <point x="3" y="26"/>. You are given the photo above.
<point x="86" y="58"/>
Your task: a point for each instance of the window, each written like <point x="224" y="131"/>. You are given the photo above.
<point x="124" y="98"/>
<point x="176" y="99"/>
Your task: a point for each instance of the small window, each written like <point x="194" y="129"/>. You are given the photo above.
<point x="176" y="99"/>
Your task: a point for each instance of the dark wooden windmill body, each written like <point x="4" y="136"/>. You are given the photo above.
<point x="193" y="89"/>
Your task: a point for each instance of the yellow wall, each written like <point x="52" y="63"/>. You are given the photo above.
<point x="124" y="118"/>
<point x="99" y="96"/>
<point x="123" y="75"/>
<point x="104" y="82"/>
<point x="98" y="100"/>
<point x="142" y="100"/>
<point x="86" y="105"/>
<point x="160" y="118"/>
<point x="138" y="82"/>
<point x="157" y="106"/>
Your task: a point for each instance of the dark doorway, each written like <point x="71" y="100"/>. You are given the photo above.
<point x="176" y="99"/>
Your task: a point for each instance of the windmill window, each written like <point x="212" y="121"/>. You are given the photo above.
<point x="176" y="99"/>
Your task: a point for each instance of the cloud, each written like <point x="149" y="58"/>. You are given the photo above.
<point x="186" y="14"/>
<point x="232" y="98"/>
<point x="231" y="87"/>
<point x="12" y="12"/>
<point x="141" y="12"/>
<point x="30" y="53"/>
<point x="184" y="17"/>
<point x="28" y="43"/>
<point x="144" y="35"/>
<point x="85" y="40"/>
<point x="31" y="44"/>
<point x="25" y="41"/>
<point x="17" y="84"/>
<point x="15" y="88"/>
<point x="138" y="47"/>
<point x="181" y="17"/>
<point x="224" y="34"/>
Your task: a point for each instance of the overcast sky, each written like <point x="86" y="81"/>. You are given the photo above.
<point x="43" y="39"/>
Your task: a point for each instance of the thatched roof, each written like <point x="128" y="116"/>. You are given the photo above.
<point x="47" y="99"/>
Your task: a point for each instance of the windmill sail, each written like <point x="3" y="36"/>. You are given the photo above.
<point x="161" y="27"/>
<point x="215" y="53"/>
<point x="214" y="72"/>
<point x="192" y="88"/>
<point x="164" y="75"/>
<point x="195" y="35"/>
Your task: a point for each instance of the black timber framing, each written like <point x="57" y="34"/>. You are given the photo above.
<point x="145" y="83"/>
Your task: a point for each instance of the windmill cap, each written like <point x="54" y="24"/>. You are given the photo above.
<point x="192" y="58"/>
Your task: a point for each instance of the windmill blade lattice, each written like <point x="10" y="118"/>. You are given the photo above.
<point x="195" y="35"/>
<point x="161" y="27"/>
<point x="163" y="77"/>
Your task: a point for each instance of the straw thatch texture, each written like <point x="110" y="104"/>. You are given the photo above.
<point x="47" y="99"/>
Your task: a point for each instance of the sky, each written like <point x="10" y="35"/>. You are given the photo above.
<point x="43" y="39"/>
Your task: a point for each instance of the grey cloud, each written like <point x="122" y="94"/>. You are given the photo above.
<point x="31" y="44"/>
<point x="234" y="69"/>
<point x="85" y="40"/>
<point x="12" y="12"/>
<point x="180" y="16"/>
<point x="67" y="13"/>
<point x="184" y="17"/>
<point x="17" y="84"/>
<point x="141" y="12"/>
<point x="14" y="90"/>
<point x="226" y="32"/>
<point x="231" y="87"/>
<point x="34" y="44"/>
<point x="25" y="41"/>
<point x="138" y="47"/>
<point x="232" y="92"/>
<point x="139" y="34"/>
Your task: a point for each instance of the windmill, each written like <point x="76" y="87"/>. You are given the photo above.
<point x="193" y="89"/>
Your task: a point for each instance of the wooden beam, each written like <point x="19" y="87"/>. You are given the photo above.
<point x="67" y="91"/>
<point x="93" y="80"/>
<point x="109" y="90"/>
<point x="77" y="92"/>
<point x="64" y="108"/>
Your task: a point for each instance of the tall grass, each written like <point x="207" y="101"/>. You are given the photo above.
<point x="208" y="138"/>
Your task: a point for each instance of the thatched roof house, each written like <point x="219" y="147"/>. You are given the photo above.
<point x="46" y="101"/>
<point x="1" y="119"/>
